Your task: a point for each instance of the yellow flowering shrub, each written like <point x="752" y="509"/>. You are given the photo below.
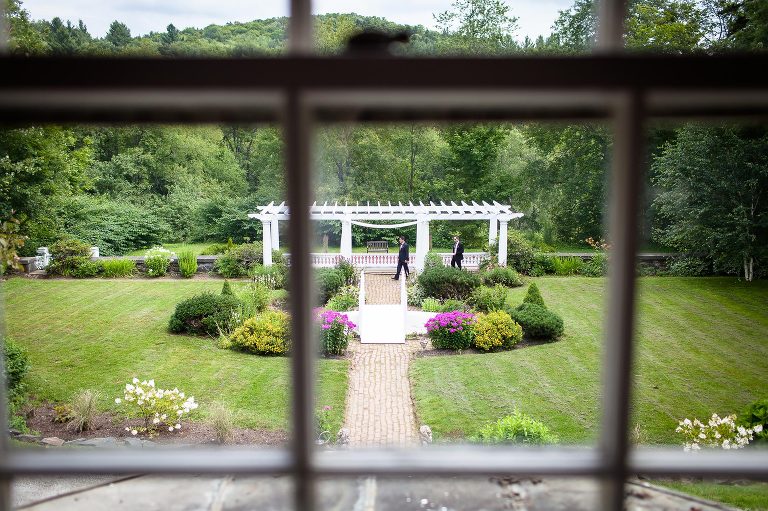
<point x="496" y="330"/>
<point x="265" y="334"/>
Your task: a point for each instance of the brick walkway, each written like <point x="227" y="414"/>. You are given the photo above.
<point x="379" y="406"/>
<point x="380" y="289"/>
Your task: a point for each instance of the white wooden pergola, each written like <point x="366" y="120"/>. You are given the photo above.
<point x="402" y="215"/>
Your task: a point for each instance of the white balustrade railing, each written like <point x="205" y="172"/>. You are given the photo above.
<point x="322" y="260"/>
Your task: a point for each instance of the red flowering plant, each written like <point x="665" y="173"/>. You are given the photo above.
<point x="335" y="331"/>
<point x="451" y="330"/>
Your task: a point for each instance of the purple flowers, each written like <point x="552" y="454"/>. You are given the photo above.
<point x="335" y="330"/>
<point x="327" y="318"/>
<point x="451" y="330"/>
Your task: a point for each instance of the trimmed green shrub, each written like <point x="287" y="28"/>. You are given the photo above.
<point x="520" y="255"/>
<point x="565" y="266"/>
<point x="347" y="271"/>
<point x="595" y="267"/>
<point x="237" y="261"/>
<point x="487" y="298"/>
<point x="517" y="428"/>
<point x="345" y="300"/>
<point x="16" y="365"/>
<point x="86" y="270"/>
<point x="447" y="282"/>
<point x="756" y="414"/>
<point x="537" y="322"/>
<point x="215" y="249"/>
<point x="430" y="304"/>
<point x="453" y="305"/>
<point x="68" y="256"/>
<point x="157" y="260"/>
<point x="542" y="265"/>
<point x="503" y="275"/>
<point x="329" y="282"/>
<point x="204" y="314"/>
<point x="266" y="334"/>
<point x="433" y="260"/>
<point x="534" y="296"/>
<point x="187" y="264"/>
<point x="226" y="289"/>
<point x="117" y="268"/>
<point x="496" y="330"/>
<point x="415" y="295"/>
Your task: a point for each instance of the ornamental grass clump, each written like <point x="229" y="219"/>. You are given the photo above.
<point x="158" y="408"/>
<point x="717" y="432"/>
<point x="517" y="428"/>
<point x="496" y="331"/>
<point x="117" y="268"/>
<point x="451" y="330"/>
<point x="187" y="264"/>
<point x="335" y="331"/>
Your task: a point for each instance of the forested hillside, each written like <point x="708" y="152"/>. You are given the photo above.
<point x="124" y="188"/>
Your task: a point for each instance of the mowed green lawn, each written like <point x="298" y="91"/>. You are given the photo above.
<point x="101" y="333"/>
<point x="702" y="347"/>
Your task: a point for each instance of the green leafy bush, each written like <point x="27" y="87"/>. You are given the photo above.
<point x="117" y="268"/>
<point x="496" y="330"/>
<point x="274" y="277"/>
<point x="16" y="365"/>
<point x="237" y="261"/>
<point x="68" y="256"/>
<point x="453" y="305"/>
<point x="447" y="282"/>
<point x="215" y="249"/>
<point x="255" y="299"/>
<point x="565" y="266"/>
<point x="348" y="271"/>
<point x="345" y="300"/>
<point x="204" y="314"/>
<point x="329" y="282"/>
<point x="756" y="414"/>
<point x="433" y="260"/>
<point x="517" y="428"/>
<point x="537" y="322"/>
<point x="157" y="260"/>
<point x="534" y="295"/>
<point x="686" y="266"/>
<point x="415" y="295"/>
<point x="487" y="298"/>
<point x="226" y="289"/>
<point x="503" y="275"/>
<point x="595" y="267"/>
<point x="430" y="304"/>
<point x="187" y="264"/>
<point x="520" y="254"/>
<point x="266" y="334"/>
<point x="87" y="269"/>
<point x="542" y="265"/>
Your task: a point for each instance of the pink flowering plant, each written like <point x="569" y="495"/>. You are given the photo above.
<point x="335" y="331"/>
<point x="451" y="330"/>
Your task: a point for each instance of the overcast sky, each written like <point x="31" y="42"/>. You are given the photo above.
<point x="143" y="16"/>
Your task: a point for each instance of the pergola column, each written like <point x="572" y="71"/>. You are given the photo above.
<point x="493" y="231"/>
<point x="503" y="242"/>
<point x="422" y="242"/>
<point x="346" y="238"/>
<point x="266" y="240"/>
<point x="275" y="234"/>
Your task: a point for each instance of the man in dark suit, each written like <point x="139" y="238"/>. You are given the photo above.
<point x="402" y="259"/>
<point x="458" y="253"/>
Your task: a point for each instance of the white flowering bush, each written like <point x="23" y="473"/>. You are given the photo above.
<point x="158" y="408"/>
<point x="718" y="432"/>
<point x="157" y="260"/>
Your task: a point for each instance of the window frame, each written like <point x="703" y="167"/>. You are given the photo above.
<point x="300" y="90"/>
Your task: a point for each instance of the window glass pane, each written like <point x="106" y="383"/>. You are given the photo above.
<point x="469" y="28"/>
<point x="159" y="29"/>
<point x="148" y="277"/>
<point x="539" y="186"/>
<point x="701" y="346"/>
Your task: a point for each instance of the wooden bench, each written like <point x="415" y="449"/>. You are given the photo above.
<point x="377" y="246"/>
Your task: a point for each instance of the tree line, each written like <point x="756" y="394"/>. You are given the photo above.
<point x="124" y="188"/>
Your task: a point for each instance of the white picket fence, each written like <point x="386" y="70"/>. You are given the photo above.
<point x="321" y="260"/>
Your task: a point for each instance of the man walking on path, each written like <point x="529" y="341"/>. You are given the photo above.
<point x="458" y="253"/>
<point x="402" y="259"/>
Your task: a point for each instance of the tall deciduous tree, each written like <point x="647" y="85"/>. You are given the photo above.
<point x="714" y="196"/>
<point x="477" y="27"/>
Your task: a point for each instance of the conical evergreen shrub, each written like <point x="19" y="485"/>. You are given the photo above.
<point x="534" y="296"/>
<point x="227" y="289"/>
